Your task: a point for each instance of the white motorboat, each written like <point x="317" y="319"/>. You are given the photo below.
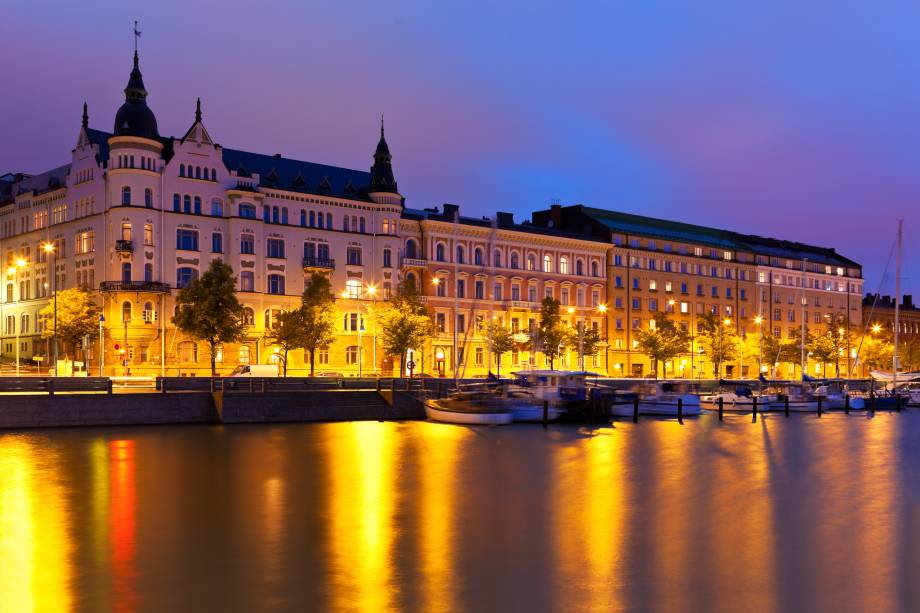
<point x="659" y="398"/>
<point x="800" y="398"/>
<point x="561" y="388"/>
<point x="741" y="399"/>
<point x="469" y="408"/>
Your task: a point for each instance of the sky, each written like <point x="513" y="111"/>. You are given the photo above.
<point x="797" y="120"/>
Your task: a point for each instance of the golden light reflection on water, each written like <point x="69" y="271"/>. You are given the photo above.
<point x="35" y="542"/>
<point x="590" y="514"/>
<point x="122" y="523"/>
<point x="363" y="462"/>
<point x="439" y="515"/>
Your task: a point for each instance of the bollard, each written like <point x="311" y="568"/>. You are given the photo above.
<point x="846" y="403"/>
<point x="250" y="385"/>
<point x="378" y="384"/>
<point x="636" y="410"/>
<point x="163" y="386"/>
<point x="108" y="387"/>
<point x="820" y="399"/>
<point x="872" y="400"/>
<point x="545" y="412"/>
<point x="393" y="385"/>
<point x="51" y="386"/>
<point x="263" y="385"/>
<point x="721" y="408"/>
<point x="754" y="412"/>
<point x="786" y="404"/>
<point x="680" y="411"/>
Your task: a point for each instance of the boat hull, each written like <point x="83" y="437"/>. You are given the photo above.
<point x="534" y="413"/>
<point x="668" y="409"/>
<point x="468" y="417"/>
<point x="796" y="406"/>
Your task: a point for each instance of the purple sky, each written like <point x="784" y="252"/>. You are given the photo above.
<point x="799" y="120"/>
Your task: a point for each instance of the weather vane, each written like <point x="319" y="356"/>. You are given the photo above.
<point x="137" y="34"/>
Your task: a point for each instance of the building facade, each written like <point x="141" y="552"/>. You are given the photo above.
<point x="135" y="215"/>
<point x="878" y="316"/>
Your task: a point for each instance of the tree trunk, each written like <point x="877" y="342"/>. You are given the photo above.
<point x="498" y="365"/>
<point x="402" y="363"/>
<point x="213" y="361"/>
<point x="312" y="353"/>
<point x="284" y="366"/>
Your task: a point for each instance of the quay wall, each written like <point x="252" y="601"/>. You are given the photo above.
<point x="46" y="411"/>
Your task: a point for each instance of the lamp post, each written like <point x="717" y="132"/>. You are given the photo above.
<point x="759" y="322"/>
<point x="101" y="345"/>
<point x="726" y="322"/>
<point x="17" y="321"/>
<point x="372" y="290"/>
<point x="49" y="249"/>
<point x="602" y="309"/>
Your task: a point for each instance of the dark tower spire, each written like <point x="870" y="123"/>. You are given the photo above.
<point x="85" y="116"/>
<point x="382" y="179"/>
<point x="135" y="118"/>
<point x="198" y="110"/>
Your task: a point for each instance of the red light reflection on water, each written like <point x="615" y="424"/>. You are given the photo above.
<point x="122" y="523"/>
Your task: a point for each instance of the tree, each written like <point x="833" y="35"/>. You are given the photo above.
<point x="718" y="340"/>
<point x="317" y="316"/>
<point x="772" y="352"/>
<point x="405" y="323"/>
<point x="662" y="342"/>
<point x="590" y="342"/>
<point x="551" y="332"/>
<point x="503" y="341"/>
<point x="876" y="353"/>
<point x="791" y="352"/>
<point x="823" y="349"/>
<point x="207" y="309"/>
<point x="77" y="316"/>
<point x="289" y="334"/>
<point x="910" y="354"/>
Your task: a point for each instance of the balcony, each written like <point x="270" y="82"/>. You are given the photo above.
<point x="123" y="246"/>
<point x="319" y="263"/>
<point x="134" y="286"/>
<point x="520" y="304"/>
<point x="414" y="262"/>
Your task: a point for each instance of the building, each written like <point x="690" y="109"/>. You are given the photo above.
<point x="878" y="316"/>
<point x="135" y="215"/>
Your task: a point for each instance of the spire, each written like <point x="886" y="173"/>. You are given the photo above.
<point x="198" y="111"/>
<point x="85" y="116"/>
<point x="382" y="179"/>
<point x="135" y="118"/>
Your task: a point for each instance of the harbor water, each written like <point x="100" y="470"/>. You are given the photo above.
<point x="786" y="514"/>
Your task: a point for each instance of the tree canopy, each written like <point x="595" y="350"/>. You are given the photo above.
<point x="317" y="318"/>
<point x="553" y="334"/>
<point x="502" y="342"/>
<point x="77" y="316"/>
<point x="404" y="324"/>
<point x="718" y="341"/>
<point x="665" y="341"/>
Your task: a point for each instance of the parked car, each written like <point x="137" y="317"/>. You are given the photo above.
<point x="326" y="373"/>
<point x="256" y="370"/>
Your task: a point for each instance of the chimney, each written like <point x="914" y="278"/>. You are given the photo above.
<point x="450" y="210"/>
<point x="555" y="215"/>
<point x="908" y="301"/>
<point x="504" y="219"/>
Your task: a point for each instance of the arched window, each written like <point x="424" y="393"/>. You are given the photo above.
<point x="185" y="275"/>
<point x="362" y="226"/>
<point x="147" y="313"/>
<point x="411" y="283"/>
<point x="547" y="263"/>
<point x="354" y="223"/>
<point x="125" y="311"/>
<point x="247" y="211"/>
<point x="217" y="207"/>
<point x="303" y="218"/>
<point x="197" y="172"/>
<point x="181" y="170"/>
<point x="24" y="322"/>
<point x="266" y="214"/>
<point x="594" y="269"/>
<point x="284" y="215"/>
<point x="214" y="174"/>
<point x="328" y="220"/>
<point x="460" y="254"/>
<point x="531" y="262"/>
<point x="345" y="223"/>
<point x="514" y="260"/>
<point x="411" y="249"/>
<point x="126" y="196"/>
<point x="497" y="259"/>
<point x="126" y="272"/>
<point x="148" y="198"/>
<point x="197" y="205"/>
<point x="188" y="351"/>
<point x="187" y="204"/>
<point x="439" y="252"/>
<point x="477" y="257"/>
<point x="177" y="203"/>
<point x="579" y="267"/>
<point x="351" y="354"/>
<point x="249" y="317"/>
<point x="275" y="215"/>
<point x="312" y="219"/>
<point x="563" y="265"/>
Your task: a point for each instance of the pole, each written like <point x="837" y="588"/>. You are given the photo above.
<point x="897" y="315"/>
<point x="54" y="341"/>
<point x="581" y="345"/>
<point x="802" y="339"/>
<point x="17" y="319"/>
<point x="124" y="359"/>
<point x="101" y="346"/>
<point x="360" y="348"/>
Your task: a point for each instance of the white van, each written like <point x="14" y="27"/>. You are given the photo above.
<point x="256" y="370"/>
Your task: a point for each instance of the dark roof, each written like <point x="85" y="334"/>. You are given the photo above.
<point x="298" y="176"/>
<point x="134" y="117"/>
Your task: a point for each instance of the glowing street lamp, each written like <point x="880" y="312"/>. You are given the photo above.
<point x="758" y="321"/>
<point x="876" y="328"/>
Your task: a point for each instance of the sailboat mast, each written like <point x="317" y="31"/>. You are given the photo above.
<point x="456" y="357"/>
<point x="802" y="339"/>
<point x="897" y="310"/>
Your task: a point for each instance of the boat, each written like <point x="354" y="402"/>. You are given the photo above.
<point x="658" y="398"/>
<point x="801" y="399"/>
<point x="741" y="399"/>
<point x="469" y="408"/>
<point x="561" y="388"/>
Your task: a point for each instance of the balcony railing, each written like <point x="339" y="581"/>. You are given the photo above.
<point x="314" y="262"/>
<point x="134" y="286"/>
<point x="123" y="246"/>
<point x="414" y="262"/>
<point x="520" y="304"/>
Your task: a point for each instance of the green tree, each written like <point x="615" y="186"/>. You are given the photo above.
<point x="552" y="333"/>
<point x="876" y="353"/>
<point x="207" y="309"/>
<point x="503" y="341"/>
<point x="590" y="342"/>
<point x="665" y="341"/>
<point x="791" y="352"/>
<point x="910" y="354"/>
<point x="77" y="316"/>
<point x="823" y="349"/>
<point x="772" y="352"/>
<point x="718" y="339"/>
<point x="317" y="316"/>
<point x="404" y="324"/>
<point x="289" y="334"/>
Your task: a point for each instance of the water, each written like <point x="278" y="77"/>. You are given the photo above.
<point x="783" y="515"/>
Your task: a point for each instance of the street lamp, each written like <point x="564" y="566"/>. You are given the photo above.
<point x="727" y="322"/>
<point x="17" y="320"/>
<point x="372" y="290"/>
<point x="49" y="249"/>
<point x="758" y="321"/>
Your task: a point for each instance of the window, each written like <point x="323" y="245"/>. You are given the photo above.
<point x="185" y="275"/>
<point x="272" y="319"/>
<point x="217" y="207"/>
<point x="126" y="311"/>
<point x="197" y="205"/>
<point x="186" y="204"/>
<point x="411" y="249"/>
<point x="322" y="355"/>
<point x="187" y="239"/>
<point x="461" y="288"/>
<point x="362" y="225"/>
<point x="284" y="215"/>
<point x="181" y="170"/>
<point x="217" y="242"/>
<point x="460" y="254"/>
<point x="594" y="269"/>
<point x="126" y="272"/>
<point x="353" y="256"/>
<point x="177" y="203"/>
<point x="479" y="290"/>
<point x="477" y="257"/>
<point x="148" y="272"/>
<point x="188" y="351"/>
<point x="387" y="258"/>
<point x="148" y="198"/>
<point x="579" y="267"/>
<point x="440" y="322"/>
<point x="353" y="288"/>
<point x="351" y="355"/>
<point x="275" y="248"/>
<point x="563" y="266"/>
<point x="497" y="291"/>
<point x="247" y="281"/>
<point x="249" y="317"/>
<point x="439" y="252"/>
<point x="441" y="287"/>
<point x="345" y="223"/>
<point x="148" y="234"/>
<point x="547" y="263"/>
<point x="247" y="211"/>
<point x="515" y="260"/>
<point x="276" y="284"/>
<point x="247" y="244"/>
<point x="461" y="323"/>
<point x="126" y="196"/>
<point x="313" y="219"/>
<point x="653" y="285"/>
<point x="328" y="220"/>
